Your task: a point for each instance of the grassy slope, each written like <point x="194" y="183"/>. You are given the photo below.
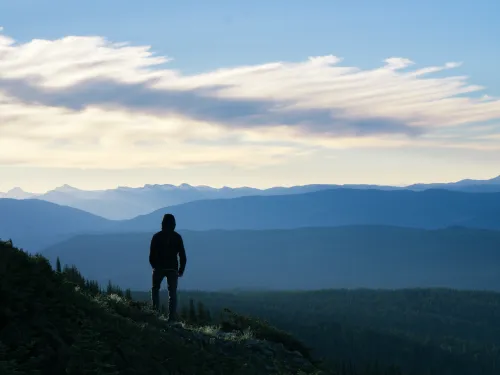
<point x="47" y="326"/>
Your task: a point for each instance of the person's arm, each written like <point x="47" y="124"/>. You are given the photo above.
<point x="153" y="251"/>
<point x="182" y="256"/>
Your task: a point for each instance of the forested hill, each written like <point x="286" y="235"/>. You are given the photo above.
<point x="52" y="324"/>
<point x="421" y="331"/>
<point x="59" y="323"/>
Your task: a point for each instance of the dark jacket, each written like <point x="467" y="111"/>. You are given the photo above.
<point x="166" y="247"/>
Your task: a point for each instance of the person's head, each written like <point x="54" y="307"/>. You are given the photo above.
<point x="168" y="222"/>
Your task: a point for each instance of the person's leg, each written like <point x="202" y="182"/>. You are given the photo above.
<point x="172" y="278"/>
<point x="158" y="276"/>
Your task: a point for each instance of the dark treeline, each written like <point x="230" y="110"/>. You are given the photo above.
<point x="422" y="331"/>
<point x="356" y="332"/>
<point x="72" y="274"/>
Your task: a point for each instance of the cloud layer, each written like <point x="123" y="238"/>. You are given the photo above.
<point x="87" y="102"/>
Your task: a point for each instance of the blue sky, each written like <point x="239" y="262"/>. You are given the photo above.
<point x="205" y="35"/>
<point x="242" y="140"/>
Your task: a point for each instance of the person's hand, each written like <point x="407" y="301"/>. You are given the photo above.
<point x="180" y="274"/>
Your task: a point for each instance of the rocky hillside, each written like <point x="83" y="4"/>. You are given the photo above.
<point x="51" y="325"/>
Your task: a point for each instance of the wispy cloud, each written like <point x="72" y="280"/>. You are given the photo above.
<point x="88" y="102"/>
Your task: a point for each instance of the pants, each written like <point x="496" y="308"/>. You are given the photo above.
<point x="172" y="278"/>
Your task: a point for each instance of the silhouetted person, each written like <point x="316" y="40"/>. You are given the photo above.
<point x="166" y="246"/>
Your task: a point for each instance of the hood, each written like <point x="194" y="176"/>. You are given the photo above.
<point x="168" y="223"/>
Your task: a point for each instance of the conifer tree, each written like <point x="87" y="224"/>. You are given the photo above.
<point x="192" y="312"/>
<point x="203" y="316"/>
<point x="184" y="314"/>
<point x="109" y="288"/>
<point x="128" y="294"/>
<point x="58" y="265"/>
<point x="208" y="316"/>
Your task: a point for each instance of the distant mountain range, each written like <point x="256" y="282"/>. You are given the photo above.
<point x="306" y="258"/>
<point x="35" y="224"/>
<point x="126" y="203"/>
<point x="428" y="209"/>
<point x="329" y="238"/>
<point x="467" y="185"/>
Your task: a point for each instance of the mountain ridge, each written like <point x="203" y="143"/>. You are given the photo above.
<point x="332" y="207"/>
<point x="35" y="224"/>
<point x="465" y="181"/>
<point x="372" y="256"/>
<point x="127" y="202"/>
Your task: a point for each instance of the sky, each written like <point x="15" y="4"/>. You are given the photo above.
<point x="99" y="94"/>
